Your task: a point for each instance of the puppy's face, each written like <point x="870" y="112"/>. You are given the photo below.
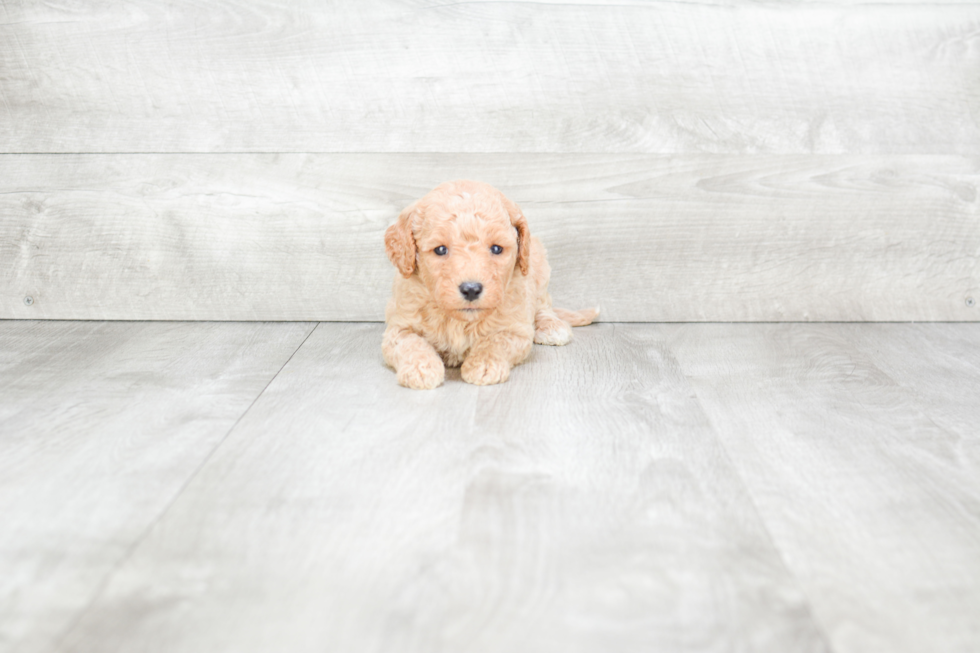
<point x="467" y="244"/>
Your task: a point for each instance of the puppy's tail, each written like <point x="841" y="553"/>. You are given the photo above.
<point x="578" y="318"/>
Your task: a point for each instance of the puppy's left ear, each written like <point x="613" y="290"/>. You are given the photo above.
<point x="523" y="235"/>
<point x="400" y="243"/>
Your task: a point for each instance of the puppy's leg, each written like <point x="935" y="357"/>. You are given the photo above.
<point x="490" y="361"/>
<point x="417" y="364"/>
<point x="549" y="329"/>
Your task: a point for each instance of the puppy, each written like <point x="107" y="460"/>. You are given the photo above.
<point x="472" y="289"/>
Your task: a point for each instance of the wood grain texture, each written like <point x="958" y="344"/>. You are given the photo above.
<point x="938" y="366"/>
<point x="585" y="505"/>
<point x="649" y="238"/>
<point x="101" y="425"/>
<point x="868" y="480"/>
<point x="649" y="487"/>
<point x="427" y="76"/>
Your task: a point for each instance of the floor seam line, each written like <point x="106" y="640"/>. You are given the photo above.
<point x="764" y="524"/>
<point x="59" y="642"/>
<point x="766" y="529"/>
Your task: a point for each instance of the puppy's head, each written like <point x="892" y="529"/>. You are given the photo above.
<point x="465" y="240"/>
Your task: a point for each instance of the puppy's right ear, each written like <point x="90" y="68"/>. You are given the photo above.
<point x="400" y="243"/>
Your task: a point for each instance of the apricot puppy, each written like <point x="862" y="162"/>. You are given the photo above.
<point x="472" y="289"/>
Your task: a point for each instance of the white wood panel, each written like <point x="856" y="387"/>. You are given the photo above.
<point x="101" y="426"/>
<point x="387" y="75"/>
<point x="585" y="505"/>
<point x="872" y="499"/>
<point x="649" y="238"/>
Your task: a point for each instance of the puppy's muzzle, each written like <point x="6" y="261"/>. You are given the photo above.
<point x="470" y="290"/>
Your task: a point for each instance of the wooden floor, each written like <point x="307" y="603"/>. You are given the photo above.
<point x="243" y="487"/>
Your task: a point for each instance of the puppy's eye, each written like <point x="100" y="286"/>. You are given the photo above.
<point x="496" y="249"/>
<point x="440" y="250"/>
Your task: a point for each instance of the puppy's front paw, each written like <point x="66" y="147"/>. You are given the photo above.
<point x="422" y="374"/>
<point x="485" y="371"/>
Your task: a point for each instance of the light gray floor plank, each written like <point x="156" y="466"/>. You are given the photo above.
<point x="937" y="364"/>
<point x="586" y="505"/>
<point x="101" y="425"/>
<point x="859" y="444"/>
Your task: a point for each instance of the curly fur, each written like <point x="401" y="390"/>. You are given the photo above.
<point x="431" y="325"/>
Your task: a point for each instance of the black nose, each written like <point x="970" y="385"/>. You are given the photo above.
<point x="471" y="290"/>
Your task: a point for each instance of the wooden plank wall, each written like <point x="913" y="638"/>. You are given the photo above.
<point x="682" y="161"/>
